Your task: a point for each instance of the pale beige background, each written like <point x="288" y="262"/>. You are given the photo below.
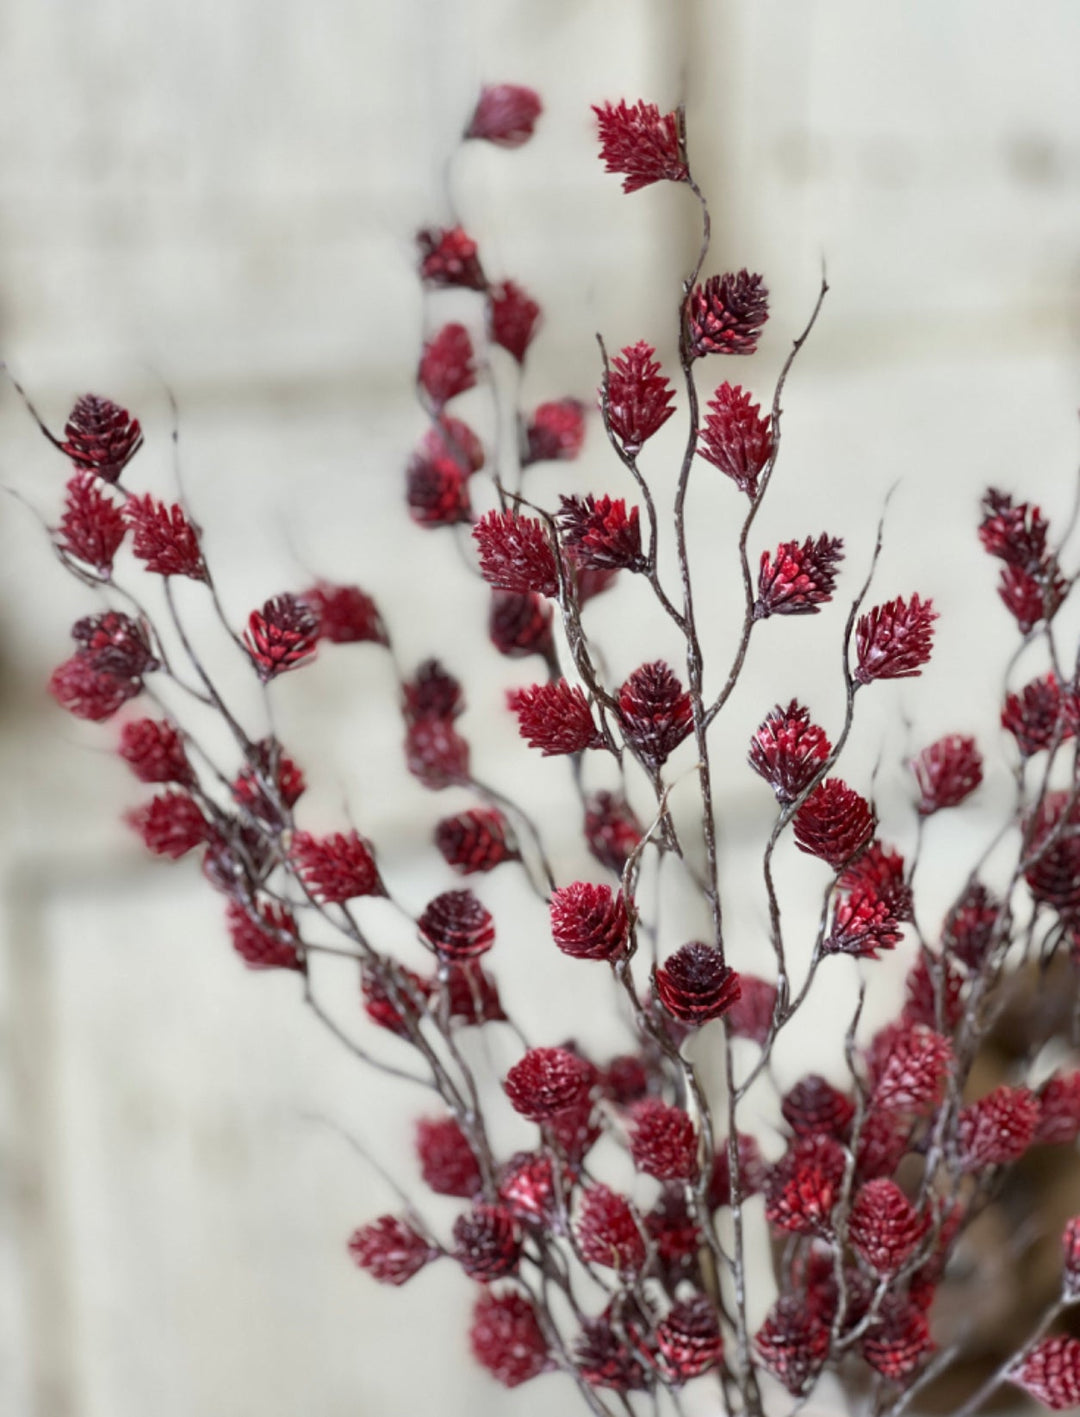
<point x="224" y="197"/>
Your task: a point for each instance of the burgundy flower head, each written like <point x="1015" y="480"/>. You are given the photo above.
<point x="639" y="397"/>
<point x="804" y="1186"/>
<point x="607" y="1360"/>
<point x="555" y="717"/>
<point x="436" y="492"/>
<point x="894" y="640"/>
<point x="751" y="1015"/>
<point x="164" y="538"/>
<point x="1038" y="714"/>
<point x="640" y="144"/>
<point x="548" y="1081"/>
<point x="527" y="1186"/>
<point x="881" y="870"/>
<point x="998" y="1128"/>
<point x="390" y="1250"/>
<point x="884" y="1227"/>
<point x="1014" y="532"/>
<point x="395" y="1010"/>
<point x="336" y="868"/>
<point x="798" y="579"/>
<point x="506" y="1338"/>
<point x="735" y="438"/>
<point x="898" y="1343"/>
<point x="515" y="554"/>
<point x="487" y="1243"/>
<point x="280" y="636"/>
<point x="154" y="751"/>
<point x="695" y="985"/>
<point x="434" y="693"/>
<point x="625" y="1079"/>
<point x="88" y="693"/>
<point x="451" y="438"/>
<point x="601" y="534"/>
<point x="555" y="432"/>
<point x="863" y="923"/>
<point x="170" y="824"/>
<point x="505" y="115"/>
<point x="446" y="365"/>
<point x="93" y="526"/>
<point x="608" y="1231"/>
<point x="970" y="925"/>
<point x="788" y="751"/>
<point x="834" y="823"/>
<point x="793" y="1344"/>
<point x="447" y="1161"/>
<point x="449" y="258"/>
<point x="101" y="437"/>
<point x="663" y="1141"/>
<point x="264" y="935"/>
<point x="925" y="988"/>
<point x="346" y="614"/>
<point x="947" y="772"/>
<point x="436" y="754"/>
<point x="477" y="840"/>
<point x="1032" y="596"/>
<point x="907" y="1066"/>
<point x="612" y="831"/>
<point x="655" y="711"/>
<point x="270" y="768"/>
<point x="1054" y="875"/>
<point x="689" y="1338"/>
<point x="520" y="624"/>
<point x="1050" y="1373"/>
<point x="457" y="926"/>
<point x="814" y="1107"/>
<point x="725" y="315"/>
<point x="589" y="922"/>
<point x="513" y="319"/>
<point x="114" y="643"/>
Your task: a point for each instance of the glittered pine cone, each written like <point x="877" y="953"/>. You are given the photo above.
<point x="506" y="1338"/>
<point x="899" y="1341"/>
<point x="447" y="1160"/>
<point x="336" y="868"/>
<point x="612" y="830"/>
<point x="814" y="1106"/>
<point x="436" y="753"/>
<point x="793" y="1344"/>
<point x="689" y="1338"/>
<point x="725" y="314"/>
<point x="997" y="1129"/>
<point x="655" y="711"/>
<point x="280" y="636"/>
<point x="92" y="527"/>
<point x="390" y="1250"/>
<point x="1050" y="1372"/>
<point x="346" y="615"/>
<point x="114" y="643"/>
<point x="520" y="623"/>
<point x="606" y="1360"/>
<point x="457" y="926"/>
<point x="487" y="1243"/>
<point x="884" y="1226"/>
<point x="608" y="1231"/>
<point x="589" y="922"/>
<point x="476" y="840"/>
<point x="547" y="1082"/>
<point x="834" y="823"/>
<point x="788" y="750"/>
<point x="663" y="1141"/>
<point x="751" y="1015"/>
<point x="527" y="1186"/>
<point x="804" y="1186"/>
<point x="154" y="751"/>
<point x="393" y="1010"/>
<point x="695" y="985"/>
<point x="101" y="437"/>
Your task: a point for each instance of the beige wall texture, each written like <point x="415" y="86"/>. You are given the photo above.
<point x="219" y="200"/>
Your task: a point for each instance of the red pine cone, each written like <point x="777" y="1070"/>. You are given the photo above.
<point x="675" y="1234"/>
<point x="270" y="768"/>
<point x="88" y="693"/>
<point x="932" y="980"/>
<point x="451" y="438"/>
<point x="487" y="1243"/>
<point x="640" y="144"/>
<point x="612" y="831"/>
<point x="505" y="115"/>
<point x="170" y="825"/>
<point x="606" y="1360"/>
<point x="1070" y="1271"/>
<point x="735" y="438"/>
<point x="446" y="365"/>
<point x="393" y="1011"/>
<point x="154" y="751"/>
<point x="1059" y="1110"/>
<point x="434" y="694"/>
<point x="346" y="614"/>
<point x="447" y="1162"/>
<point x="555" y="432"/>
<point x="639" y="397"/>
<point x="164" y="538"/>
<point x="1037" y="715"/>
<point x="101" y="437"/>
<point x="527" y="1185"/>
<point x="1054" y="875"/>
<point x="1016" y="534"/>
<point x="882" y="871"/>
<point x="695" y="985"/>
<point x="1032" y="595"/>
<point x="436" y="492"/>
<point x="589" y="922"/>
<point x="1050" y="1373"/>
<point x="726" y="314"/>
<point x="449" y="258"/>
<point x="506" y="1338"/>
<point x="574" y="1133"/>
<point x="752" y="1171"/>
<point x="663" y="1141"/>
<point x="970" y="925"/>
<point x="472" y="995"/>
<point x="390" y="1250"/>
<point x="520" y="624"/>
<point x="798" y="579"/>
<point x="600" y="534"/>
<point x="608" y="1232"/>
<point x="265" y="936"/>
<point x="788" y="751"/>
<point x="793" y="1344"/>
<point x="804" y="1186"/>
<point x="894" y="640"/>
<point x="513" y="318"/>
<point x="751" y="1015"/>
<point x="336" y="868"/>
<point x="436" y="754"/>
<point x="814" y="1107"/>
<point x="92" y="526"/>
<point x="625" y="1079"/>
<point x="862" y="924"/>
<point x="907" y="1066"/>
<point x="834" y="823"/>
<point x="515" y="554"/>
<point x="656" y="712"/>
<point x="895" y="1346"/>
<point x="457" y="926"/>
<point x="281" y="635"/>
<point x="689" y="1338"/>
<point x="477" y="840"/>
<point x="884" y="1226"/>
<point x="998" y="1128"/>
<point x="113" y="643"/>
<point x="947" y="772"/>
<point x="555" y="717"/>
<point x="548" y="1081"/>
<point x="883" y="1141"/>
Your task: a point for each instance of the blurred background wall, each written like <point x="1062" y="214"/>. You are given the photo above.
<point x="220" y="200"/>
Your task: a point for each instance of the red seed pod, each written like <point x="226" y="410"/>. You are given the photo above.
<point x="472" y="995"/>
<point x="548" y="1081"/>
<point x="689" y="1338"/>
<point x="1016" y="533"/>
<point x="477" y="840"/>
<point x="862" y="924"/>
<point x="1036" y="716"/>
<point x="487" y="1243"/>
<point x="600" y="534"/>
<point x="675" y="1234"/>
<point x="793" y="1344"/>
<point x="506" y="1338"/>
<point x="280" y="636"/>
<point x="612" y="831"/>
<point x="640" y="144"/>
<point x="885" y="1227"/>
<point x="391" y="1250"/>
<point x="969" y="926"/>
<point x="505" y="115"/>
<point x="154" y="751"/>
<point x="393" y="1011"/>
<point x="798" y="579"/>
<point x="434" y="693"/>
<point x="457" y="926"/>
<point x="555" y="432"/>
<point x="947" y="773"/>
<point x="86" y="692"/>
<point x="270" y="785"/>
<point x="625" y="1080"/>
<point x="655" y="711"/>
<point x="606" y="1360"/>
<point x="513" y="318"/>
<point x="804" y="1186"/>
<point x="907" y="1066"/>
<point x="336" y="868"/>
<point x="814" y="1107"/>
<point x="1070" y="1270"/>
<point x="527" y="1186"/>
<point x="751" y="1015"/>
<point x="113" y="643"/>
<point x="608" y="1232"/>
<point x="1034" y="595"/>
<point x="170" y="824"/>
<point x="520" y="624"/>
<point x="753" y="1172"/>
<point x="101" y="437"/>
<point x="164" y="538"/>
<point x="735" y="437"/>
<point x="881" y="870"/>
<point x="589" y="922"/>
<point x="515" y="554"/>
<point x="663" y="1141"/>
<point x="931" y="981"/>
<point x="1059" y="1110"/>
<point x="446" y="365"/>
<point x="834" y="823"/>
<point x="448" y="258"/>
<point x="346" y="614"/>
<point x="451" y="438"/>
<point x="638" y="397"/>
<point x="93" y="526"/>
<point x="555" y="717"/>
<point x="447" y="1162"/>
<point x="1054" y="876"/>
<point x="1050" y="1373"/>
<point x="726" y="314"/>
<point x="894" y="640"/>
<point x="883" y="1141"/>
<point x="264" y="935"/>
<point x="788" y="750"/>
<point x="997" y="1129"/>
<point x="436" y="754"/>
<point x="695" y="985"/>
<point x="436" y="492"/>
<point x="897" y="1344"/>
